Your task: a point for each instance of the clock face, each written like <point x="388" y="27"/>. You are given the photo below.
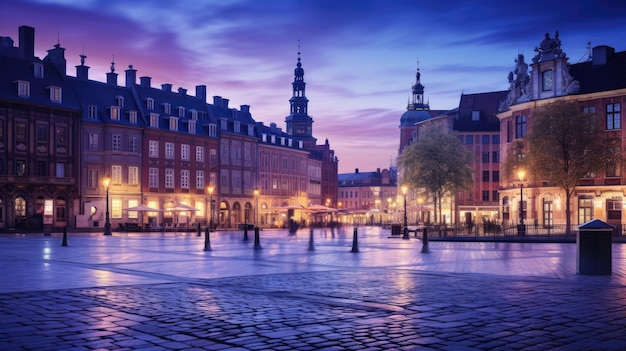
<point x="547" y="80"/>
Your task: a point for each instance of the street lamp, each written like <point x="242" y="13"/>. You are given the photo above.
<point x="521" y="230"/>
<point x="406" y="229"/>
<point x="389" y="210"/>
<point x="377" y="202"/>
<point x="107" y="220"/>
<point x="210" y="189"/>
<point x="256" y="208"/>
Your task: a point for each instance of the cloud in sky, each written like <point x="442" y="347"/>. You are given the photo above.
<point x="359" y="57"/>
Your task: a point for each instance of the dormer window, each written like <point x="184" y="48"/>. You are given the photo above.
<point x="181" y="111"/>
<point x="174" y="123"/>
<point x="475" y="115"/>
<point x="300" y="144"/>
<point x="290" y="142"/>
<point x="120" y="101"/>
<point x="132" y="117"/>
<point x="546" y="80"/>
<point x="92" y="111"/>
<point x="237" y="127"/>
<point x="223" y="124"/>
<point x="194" y="115"/>
<point x="115" y="113"/>
<point x="251" y="130"/>
<point x="273" y="139"/>
<point x="56" y="94"/>
<point x="212" y="129"/>
<point x="167" y="108"/>
<point x="38" y="70"/>
<point x="264" y="138"/>
<point x="23" y="88"/>
<point x="192" y="127"/>
<point x="282" y="141"/>
<point x="150" y="103"/>
<point x="154" y="120"/>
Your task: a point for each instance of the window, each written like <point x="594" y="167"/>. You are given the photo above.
<point x="42" y="133"/>
<point x="116" y="174"/>
<point x="485" y="139"/>
<point x="92" y="142"/>
<point x="60" y="170"/>
<point x="42" y="169"/>
<point x="485" y="156"/>
<point x="120" y="101"/>
<point x="132" y="117"/>
<point x="509" y="132"/>
<point x="61" y="135"/>
<point x="495" y="139"/>
<point x="133" y="144"/>
<point x="133" y="175"/>
<point x="199" y="153"/>
<point x="495" y="176"/>
<point x="213" y="156"/>
<point x="150" y="103"/>
<point x="184" y="179"/>
<point x="546" y="80"/>
<point x="116" y="142"/>
<point x="153" y="177"/>
<point x="494" y="196"/>
<point x="153" y="148"/>
<point x="56" y="94"/>
<point x="589" y="109"/>
<point x="116" y="208"/>
<point x="613" y="116"/>
<point x="485" y="194"/>
<point x="167" y="108"/>
<point x="38" y="70"/>
<point x="520" y="127"/>
<point x="191" y="127"/>
<point x="92" y="178"/>
<point x="495" y="157"/>
<point x="585" y="208"/>
<point x="548" y="214"/>
<point x="184" y="152"/>
<point x="154" y="120"/>
<point x="173" y="123"/>
<point x="614" y="209"/>
<point x="469" y="139"/>
<point x="92" y="111"/>
<point x="23" y="88"/>
<point x="223" y="124"/>
<point x="212" y="130"/>
<point x="169" y="178"/>
<point x="181" y="111"/>
<point x="199" y="179"/>
<point x="475" y="115"/>
<point x="485" y="176"/>
<point x="194" y="115"/>
<point x="169" y="150"/>
<point x="60" y="206"/>
<point x="237" y="126"/>
<point x="133" y="214"/>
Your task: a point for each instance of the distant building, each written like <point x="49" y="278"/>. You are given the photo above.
<point x="368" y="197"/>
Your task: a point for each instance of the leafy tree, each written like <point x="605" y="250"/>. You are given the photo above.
<point x="564" y="144"/>
<point x="437" y="163"/>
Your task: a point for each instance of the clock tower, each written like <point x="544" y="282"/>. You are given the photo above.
<point x="299" y="123"/>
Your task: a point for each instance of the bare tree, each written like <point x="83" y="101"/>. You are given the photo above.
<point x="564" y="144"/>
<point x="437" y="163"/>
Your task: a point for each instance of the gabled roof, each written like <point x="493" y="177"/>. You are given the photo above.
<point x="601" y="77"/>
<point x="103" y="96"/>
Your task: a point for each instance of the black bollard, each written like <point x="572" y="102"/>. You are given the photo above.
<point x="245" y="233"/>
<point x="207" y="240"/>
<point x="311" y="247"/>
<point x="355" y="241"/>
<point x="425" y="241"/>
<point x="199" y="230"/>
<point x="405" y="236"/>
<point x="65" y="237"/>
<point x="257" y="239"/>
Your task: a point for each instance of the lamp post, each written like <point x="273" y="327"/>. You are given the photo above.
<point x="107" y="220"/>
<point x="210" y="189"/>
<point x="389" y="210"/>
<point x="521" y="230"/>
<point x="406" y="228"/>
<point x="377" y="202"/>
<point x="256" y="208"/>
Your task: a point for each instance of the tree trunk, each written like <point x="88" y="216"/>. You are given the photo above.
<point x="568" y="220"/>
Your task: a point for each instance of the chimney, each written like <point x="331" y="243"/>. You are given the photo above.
<point x="217" y="101"/>
<point x="167" y="87"/>
<point x="57" y="57"/>
<point x="112" y="79"/>
<point x="182" y="91"/>
<point x="601" y="55"/>
<point x="201" y="92"/>
<point x="245" y="108"/>
<point x="131" y="76"/>
<point x="356" y="170"/>
<point x="82" y="71"/>
<point x="27" y="42"/>
<point x="225" y="103"/>
<point x="145" y="82"/>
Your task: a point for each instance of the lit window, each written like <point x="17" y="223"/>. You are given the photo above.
<point x="132" y="117"/>
<point x="115" y="113"/>
<point x="133" y="175"/>
<point x="154" y="120"/>
<point x="173" y="123"/>
<point x="116" y="174"/>
<point x="56" y="94"/>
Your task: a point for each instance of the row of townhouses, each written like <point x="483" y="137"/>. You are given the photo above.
<point x="76" y="152"/>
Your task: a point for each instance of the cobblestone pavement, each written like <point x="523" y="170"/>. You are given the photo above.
<point x="162" y="292"/>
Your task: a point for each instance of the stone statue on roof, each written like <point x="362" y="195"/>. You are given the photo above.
<point x="549" y="48"/>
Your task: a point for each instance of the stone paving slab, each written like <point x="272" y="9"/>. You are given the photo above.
<point x="163" y="292"/>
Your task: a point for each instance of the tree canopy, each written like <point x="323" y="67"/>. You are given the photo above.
<point x="437" y="163"/>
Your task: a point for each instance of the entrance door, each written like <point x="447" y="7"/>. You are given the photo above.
<point x="20" y="213"/>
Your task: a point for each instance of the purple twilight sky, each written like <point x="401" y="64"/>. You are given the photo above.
<point x="359" y="57"/>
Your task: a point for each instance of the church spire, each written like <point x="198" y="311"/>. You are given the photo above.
<point x="417" y="100"/>
<point x="299" y="123"/>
